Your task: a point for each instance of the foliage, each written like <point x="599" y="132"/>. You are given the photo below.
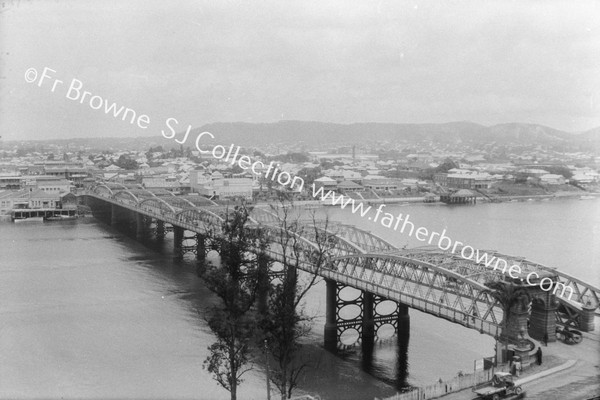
<point x="228" y="356"/>
<point x="126" y="162"/>
<point x="235" y="283"/>
<point x="309" y="175"/>
<point x="325" y="164"/>
<point x="559" y="170"/>
<point x="428" y="174"/>
<point x="446" y="166"/>
<point x="285" y="321"/>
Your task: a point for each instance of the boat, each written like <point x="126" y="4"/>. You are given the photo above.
<point x="30" y="219"/>
<point x="61" y="217"/>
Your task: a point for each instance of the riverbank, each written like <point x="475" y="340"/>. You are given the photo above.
<point x="557" y="195"/>
<point x="567" y="372"/>
<point x="309" y="204"/>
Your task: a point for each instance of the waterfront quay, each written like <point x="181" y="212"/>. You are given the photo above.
<point x="44" y="213"/>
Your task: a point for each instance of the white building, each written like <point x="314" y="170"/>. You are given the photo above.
<point x="552" y="179"/>
<point x="49" y="184"/>
<point x="220" y="187"/>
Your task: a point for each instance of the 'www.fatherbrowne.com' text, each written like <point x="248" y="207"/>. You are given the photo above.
<point x="397" y="222"/>
<point x="75" y="92"/>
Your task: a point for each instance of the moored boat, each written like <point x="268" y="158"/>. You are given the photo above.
<point x="29" y="219"/>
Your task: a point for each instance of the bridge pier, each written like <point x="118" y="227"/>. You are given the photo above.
<point x="160" y="229"/>
<point x="368" y="331"/>
<point x="178" y="243"/>
<point x="330" y="334"/>
<point x="131" y="221"/>
<point x="403" y="338"/>
<point x="200" y="254"/>
<point x="142" y="227"/>
<point x="366" y="323"/>
<point x="114" y="218"/>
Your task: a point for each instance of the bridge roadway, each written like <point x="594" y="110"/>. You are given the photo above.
<point x="426" y="279"/>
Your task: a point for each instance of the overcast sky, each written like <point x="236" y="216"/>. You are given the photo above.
<point x="335" y="61"/>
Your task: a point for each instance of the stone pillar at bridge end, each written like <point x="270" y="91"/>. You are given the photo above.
<point x="542" y="321"/>
<point x="517" y="322"/>
<point x="586" y="318"/>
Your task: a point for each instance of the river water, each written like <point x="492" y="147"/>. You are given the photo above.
<point x="88" y="312"/>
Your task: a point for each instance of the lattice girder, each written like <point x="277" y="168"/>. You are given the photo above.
<point x="423" y="287"/>
<point x="125" y="196"/>
<point x="103" y="190"/>
<point x="157" y="206"/>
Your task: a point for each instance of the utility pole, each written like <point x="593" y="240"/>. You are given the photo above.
<point x="505" y="357"/>
<point x="267" y="371"/>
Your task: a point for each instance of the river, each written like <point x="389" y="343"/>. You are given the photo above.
<point x="89" y="312"/>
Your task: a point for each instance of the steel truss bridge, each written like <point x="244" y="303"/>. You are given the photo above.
<point x="426" y="279"/>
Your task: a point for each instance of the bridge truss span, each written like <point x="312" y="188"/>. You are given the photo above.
<point x="369" y="242"/>
<point x="423" y="286"/>
<point x="125" y="196"/>
<point x="157" y="206"/>
<point x="428" y="279"/>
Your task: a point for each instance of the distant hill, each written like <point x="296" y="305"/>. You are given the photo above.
<point x="592" y="134"/>
<point x="315" y="132"/>
<point x="310" y="132"/>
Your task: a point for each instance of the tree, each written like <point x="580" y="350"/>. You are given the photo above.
<point x="508" y="295"/>
<point x="560" y="170"/>
<point x="235" y="284"/>
<point x="285" y="321"/>
<point x="309" y="175"/>
<point x="446" y="166"/>
<point x="126" y="162"/>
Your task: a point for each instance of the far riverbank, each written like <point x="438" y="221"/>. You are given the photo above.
<point x="421" y="199"/>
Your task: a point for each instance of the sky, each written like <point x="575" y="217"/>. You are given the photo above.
<point x="339" y="61"/>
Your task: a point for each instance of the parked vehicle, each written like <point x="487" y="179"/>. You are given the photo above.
<point x="567" y="335"/>
<point x="502" y="386"/>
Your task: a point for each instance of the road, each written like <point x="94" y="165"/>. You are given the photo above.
<point x="579" y="382"/>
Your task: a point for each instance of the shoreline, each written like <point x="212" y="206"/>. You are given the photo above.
<point x="416" y="200"/>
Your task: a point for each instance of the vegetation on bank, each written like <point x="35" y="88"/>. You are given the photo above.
<point x="262" y="310"/>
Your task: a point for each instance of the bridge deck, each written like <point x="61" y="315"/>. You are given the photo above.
<point x="436" y="282"/>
